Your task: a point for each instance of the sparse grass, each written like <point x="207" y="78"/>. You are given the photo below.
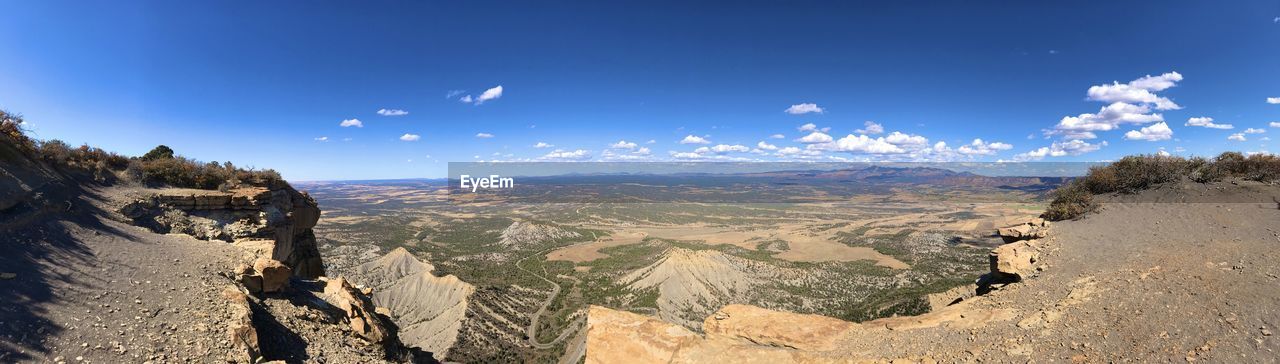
<point x="1132" y="174"/>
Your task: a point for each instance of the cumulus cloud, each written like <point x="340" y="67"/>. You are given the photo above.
<point x="1155" y="132"/>
<point x="1254" y="131"/>
<point x="1206" y="122"/>
<point x="1059" y="149"/>
<point x="861" y="144"/>
<point x="694" y="139"/>
<point x="722" y="149"/>
<point x="623" y="144"/>
<point x="410" y="137"/>
<point x="351" y="122"/>
<point x="541" y="145"/>
<point x="1139" y="91"/>
<point x="1108" y="118"/>
<point x="810" y="127"/>
<point x="797" y="152"/>
<point x="1163" y="153"/>
<point x="575" y="155"/>
<point x="815" y="138"/>
<point x="870" y="128"/>
<point x="392" y="112"/>
<point x="977" y="147"/>
<point x="1274" y="124"/>
<point x="322" y="139"/>
<point x="641" y="151"/>
<point x="1273" y="100"/>
<point x="1239" y="137"/>
<point x="766" y="146"/>
<point x="902" y="139"/>
<point x="804" y="108"/>
<point x="1129" y="103"/>
<point x="484" y="135"/>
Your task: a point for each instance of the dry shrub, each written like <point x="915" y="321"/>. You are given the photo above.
<point x="1070" y="202"/>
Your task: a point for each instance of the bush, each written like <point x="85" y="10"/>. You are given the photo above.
<point x="159" y="152"/>
<point x="1132" y="174"/>
<point x="1070" y="202"/>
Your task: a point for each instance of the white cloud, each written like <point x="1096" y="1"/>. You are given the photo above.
<point x="1239" y="137"/>
<point x="766" y="146"/>
<point x="815" y="138"/>
<point x="1273" y="100"/>
<point x="484" y="135"/>
<point x="641" y="151"/>
<point x="777" y="136"/>
<point x="861" y="144"/>
<point x="686" y="155"/>
<point x="722" y="149"/>
<point x="1163" y="153"/>
<point x="466" y="99"/>
<point x="870" y="128"/>
<point x="1108" y="118"/>
<point x="452" y="93"/>
<point x="810" y="127"/>
<point x="490" y="94"/>
<point x="797" y="152"/>
<point x="575" y="155"/>
<point x="541" y="145"/>
<point x="651" y="141"/>
<point x="1274" y="124"/>
<point x="351" y="122"/>
<point x="977" y="147"/>
<point x="804" y="108"/>
<point x="1139" y="91"/>
<point x="1155" y="132"/>
<point x="694" y="139"/>
<point x="410" y="137"/>
<point x="1254" y="131"/>
<point x="1059" y="149"/>
<point x="623" y="144"/>
<point x="901" y="139"/>
<point x="322" y="139"/>
<point x="1206" y="122"/>
<point x="392" y="112"/>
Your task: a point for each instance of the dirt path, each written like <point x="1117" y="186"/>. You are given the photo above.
<point x="532" y="330"/>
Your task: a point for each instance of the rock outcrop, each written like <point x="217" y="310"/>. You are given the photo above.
<point x="240" y="330"/>
<point x="428" y="309"/>
<point x="1036" y="228"/>
<point x="360" y="312"/>
<point x="521" y="233"/>
<point x="748" y="334"/>
<point x="249" y="217"/>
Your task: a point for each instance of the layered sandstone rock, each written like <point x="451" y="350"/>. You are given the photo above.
<point x="1034" y="229"/>
<point x="1015" y="260"/>
<point x="272" y="222"/>
<point x="240" y="330"/>
<point x="360" y="312"/>
<point x="428" y="309"/>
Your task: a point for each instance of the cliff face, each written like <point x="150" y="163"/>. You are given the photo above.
<point x="276" y="221"/>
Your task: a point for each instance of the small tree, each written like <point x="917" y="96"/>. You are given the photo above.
<point x="159" y="152"/>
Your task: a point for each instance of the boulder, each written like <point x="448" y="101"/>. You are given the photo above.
<point x="1014" y="260"/>
<point x="240" y="330"/>
<point x="360" y="312"/>
<point x="275" y="275"/>
<point x="1035" y="229"/>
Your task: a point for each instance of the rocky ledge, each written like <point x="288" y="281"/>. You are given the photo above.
<point x="275" y="222"/>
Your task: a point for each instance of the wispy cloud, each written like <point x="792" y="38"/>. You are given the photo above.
<point x="1254" y="131"/>
<point x="541" y="145"/>
<point x="804" y="108"/>
<point x="410" y="137"/>
<point x="980" y="147"/>
<point x="392" y="112"/>
<point x="484" y="135"/>
<point x="623" y="144"/>
<point x="777" y="136"/>
<point x="351" y="122"/>
<point x="491" y="94"/>
<point x="1059" y="149"/>
<point x="453" y="93"/>
<point x="574" y="155"/>
<point x="811" y="127"/>
<point x="322" y="139"/>
<point x="1239" y="137"/>
<point x="1206" y="122"/>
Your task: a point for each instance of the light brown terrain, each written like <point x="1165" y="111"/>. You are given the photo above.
<point x="1134" y="282"/>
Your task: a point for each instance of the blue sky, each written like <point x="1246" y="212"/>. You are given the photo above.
<point x="258" y="83"/>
